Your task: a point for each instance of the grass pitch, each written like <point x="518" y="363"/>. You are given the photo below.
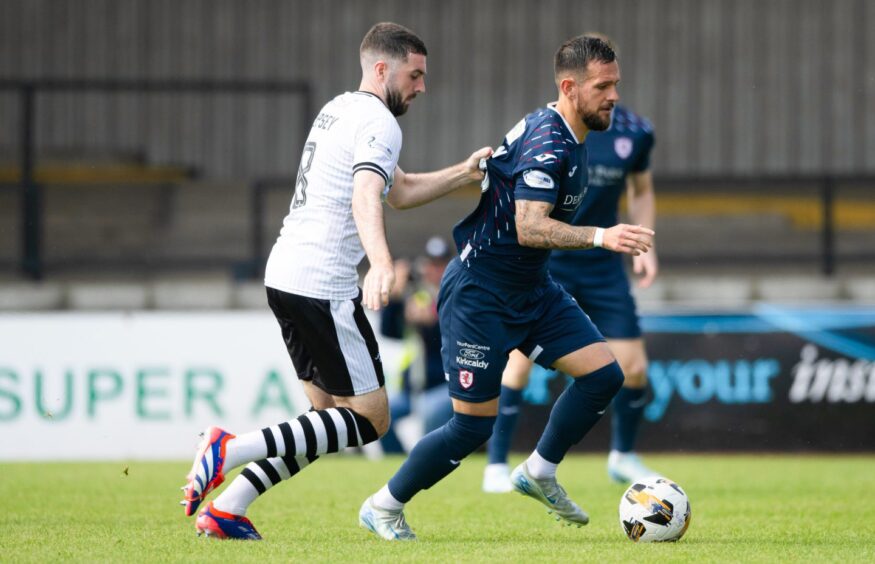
<point x="745" y="508"/>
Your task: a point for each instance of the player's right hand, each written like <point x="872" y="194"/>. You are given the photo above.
<point x="629" y="239"/>
<point x="378" y="285"/>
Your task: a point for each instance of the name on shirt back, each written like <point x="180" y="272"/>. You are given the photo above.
<point x="325" y="121"/>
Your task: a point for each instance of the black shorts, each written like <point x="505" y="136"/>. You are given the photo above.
<point x="330" y="342"/>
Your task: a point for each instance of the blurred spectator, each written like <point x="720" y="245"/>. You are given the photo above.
<point x="412" y="314"/>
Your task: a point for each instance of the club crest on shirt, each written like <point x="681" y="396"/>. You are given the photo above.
<point x="466" y="378"/>
<point x="623" y="147"/>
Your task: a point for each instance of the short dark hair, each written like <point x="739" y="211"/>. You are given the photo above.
<point x="393" y="40"/>
<point x="575" y="54"/>
<point x="606" y="39"/>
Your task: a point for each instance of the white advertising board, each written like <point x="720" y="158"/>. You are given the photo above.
<point x="142" y="385"/>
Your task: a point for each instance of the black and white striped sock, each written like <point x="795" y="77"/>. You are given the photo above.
<point x="277" y="453"/>
<point x="310" y="435"/>
<point x="257" y="478"/>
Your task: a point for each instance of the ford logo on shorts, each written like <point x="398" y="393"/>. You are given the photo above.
<point x="471" y="354"/>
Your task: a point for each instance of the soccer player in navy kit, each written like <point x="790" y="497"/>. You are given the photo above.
<point x="618" y="161"/>
<point x="498" y="296"/>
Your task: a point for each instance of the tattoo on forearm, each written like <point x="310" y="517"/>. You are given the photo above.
<point x="537" y="230"/>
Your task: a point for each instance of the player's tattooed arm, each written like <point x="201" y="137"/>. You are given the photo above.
<point x="535" y="228"/>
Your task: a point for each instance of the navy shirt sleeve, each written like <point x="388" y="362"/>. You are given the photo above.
<point x="539" y="166"/>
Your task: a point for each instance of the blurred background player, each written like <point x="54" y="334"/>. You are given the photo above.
<point x="349" y="164"/>
<point x="498" y="295"/>
<point x="618" y="162"/>
<point x="422" y="389"/>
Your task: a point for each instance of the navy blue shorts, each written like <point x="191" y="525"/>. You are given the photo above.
<point x="608" y="301"/>
<point x="481" y="324"/>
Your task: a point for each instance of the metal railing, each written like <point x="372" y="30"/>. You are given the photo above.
<point x="31" y="190"/>
<point x="823" y="191"/>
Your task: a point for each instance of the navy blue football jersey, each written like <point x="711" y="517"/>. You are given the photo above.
<point x="540" y="159"/>
<point x="613" y="154"/>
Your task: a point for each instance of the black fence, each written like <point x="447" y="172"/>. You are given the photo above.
<point x="28" y="91"/>
<point x="712" y="241"/>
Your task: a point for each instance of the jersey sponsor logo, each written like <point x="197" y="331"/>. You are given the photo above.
<point x="466" y="378"/>
<point x="472" y="354"/>
<point x="623" y="147"/>
<point x="538" y="179"/>
<point x="545" y="157"/>
<point x="466" y="345"/>
<point x="573" y="170"/>
<point x="571" y="201"/>
<point x="472" y="363"/>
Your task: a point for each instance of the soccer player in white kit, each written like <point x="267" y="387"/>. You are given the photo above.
<point x="349" y="164"/>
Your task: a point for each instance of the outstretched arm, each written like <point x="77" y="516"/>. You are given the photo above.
<point x="642" y="210"/>
<point x="535" y="228"/>
<point x="367" y="211"/>
<point x="410" y="190"/>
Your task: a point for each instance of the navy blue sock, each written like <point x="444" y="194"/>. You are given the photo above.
<point x="628" y="408"/>
<point x="439" y="453"/>
<point x="505" y="424"/>
<point x="579" y="407"/>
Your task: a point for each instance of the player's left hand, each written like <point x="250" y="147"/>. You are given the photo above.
<point x="647" y="266"/>
<point x="473" y="163"/>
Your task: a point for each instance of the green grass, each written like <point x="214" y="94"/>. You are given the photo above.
<point x="745" y="508"/>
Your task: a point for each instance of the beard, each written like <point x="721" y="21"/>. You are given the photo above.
<point x="595" y="122"/>
<point x="395" y="102"/>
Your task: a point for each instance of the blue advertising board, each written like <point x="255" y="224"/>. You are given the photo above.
<point x="771" y="379"/>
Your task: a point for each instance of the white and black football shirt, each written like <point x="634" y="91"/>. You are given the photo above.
<point x="318" y="249"/>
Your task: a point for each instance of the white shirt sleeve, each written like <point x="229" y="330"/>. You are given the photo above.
<point x="377" y="146"/>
